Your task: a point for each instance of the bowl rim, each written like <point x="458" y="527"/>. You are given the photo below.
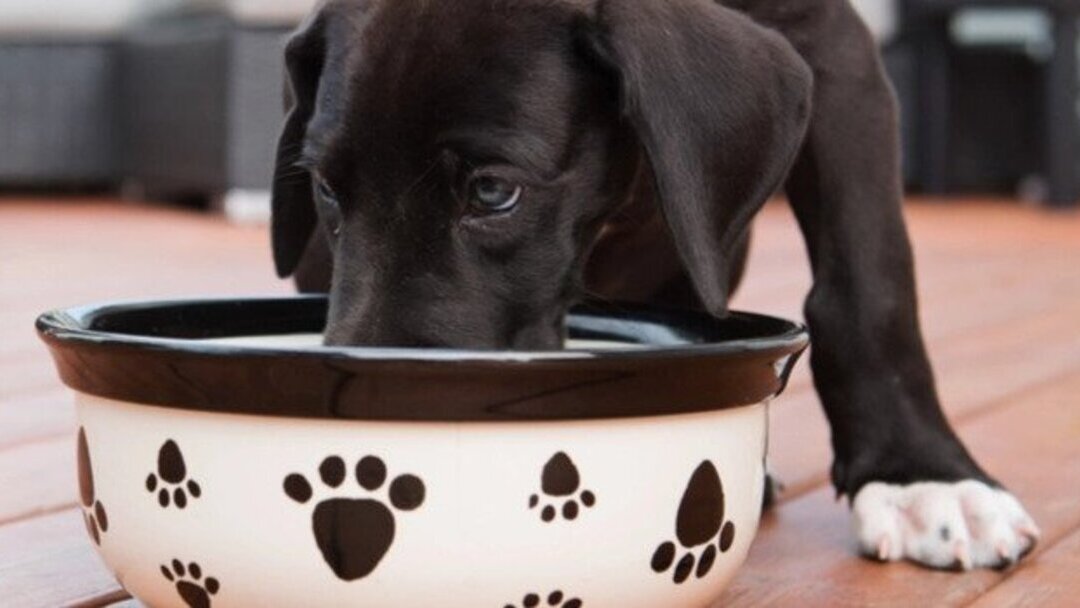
<point x="75" y="325"/>
<point x="157" y="366"/>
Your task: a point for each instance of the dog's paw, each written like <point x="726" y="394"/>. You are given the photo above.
<point x="960" y="525"/>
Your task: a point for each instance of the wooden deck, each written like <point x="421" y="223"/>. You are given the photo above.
<point x="1000" y="289"/>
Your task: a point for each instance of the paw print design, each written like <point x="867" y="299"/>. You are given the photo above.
<point x="190" y="585"/>
<point x="354" y="534"/>
<point x="700" y="521"/>
<point x="171" y="476"/>
<point x="560" y="482"/>
<point x="555" y="598"/>
<point x="94" y="516"/>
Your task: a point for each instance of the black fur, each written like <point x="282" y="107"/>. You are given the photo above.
<point x="646" y="134"/>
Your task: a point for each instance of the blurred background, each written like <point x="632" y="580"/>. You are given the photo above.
<point x="180" y="100"/>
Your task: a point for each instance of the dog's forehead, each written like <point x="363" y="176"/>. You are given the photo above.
<point x="422" y="70"/>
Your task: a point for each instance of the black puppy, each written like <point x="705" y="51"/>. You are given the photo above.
<point x="469" y="168"/>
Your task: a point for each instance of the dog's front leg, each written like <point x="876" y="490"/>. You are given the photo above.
<point x="916" y="492"/>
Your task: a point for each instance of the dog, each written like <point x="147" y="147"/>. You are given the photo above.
<point x="458" y="174"/>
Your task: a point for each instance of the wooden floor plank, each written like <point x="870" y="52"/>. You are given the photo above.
<point x="989" y="333"/>
<point x="36" y="416"/>
<point x="123" y="603"/>
<point x="968" y="329"/>
<point x="974" y="372"/>
<point x="962" y="292"/>
<point x="1050" y="582"/>
<point x="804" y="554"/>
<point x="958" y="247"/>
<point x="43" y="474"/>
<point x="111" y="252"/>
<point x="50" y="561"/>
<point x="20" y="376"/>
<point x="115" y="599"/>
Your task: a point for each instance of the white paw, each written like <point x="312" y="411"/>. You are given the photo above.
<point x="966" y="524"/>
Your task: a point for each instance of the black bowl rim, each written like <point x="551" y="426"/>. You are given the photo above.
<point x="94" y="355"/>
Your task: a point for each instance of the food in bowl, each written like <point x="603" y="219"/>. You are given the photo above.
<point x="227" y="459"/>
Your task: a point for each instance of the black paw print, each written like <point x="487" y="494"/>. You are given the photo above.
<point x="94" y="516"/>
<point x="190" y="585"/>
<point x="700" y="520"/>
<point x="353" y="534"/>
<point x="172" y="472"/>
<point x="555" y="598"/>
<point x="560" y="480"/>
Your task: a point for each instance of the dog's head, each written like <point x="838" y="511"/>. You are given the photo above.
<point x="461" y="157"/>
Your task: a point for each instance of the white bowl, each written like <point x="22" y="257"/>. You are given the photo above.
<point x="222" y="473"/>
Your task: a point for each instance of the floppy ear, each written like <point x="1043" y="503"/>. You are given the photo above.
<point x="316" y="81"/>
<point x="292" y="197"/>
<point x="720" y="105"/>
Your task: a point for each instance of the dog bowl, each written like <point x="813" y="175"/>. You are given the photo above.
<point x="226" y="459"/>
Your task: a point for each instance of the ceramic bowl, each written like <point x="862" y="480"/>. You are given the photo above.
<point x="226" y="459"/>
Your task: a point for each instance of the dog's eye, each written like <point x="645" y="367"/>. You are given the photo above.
<point x="328" y="203"/>
<point x="324" y="191"/>
<point x="491" y="194"/>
